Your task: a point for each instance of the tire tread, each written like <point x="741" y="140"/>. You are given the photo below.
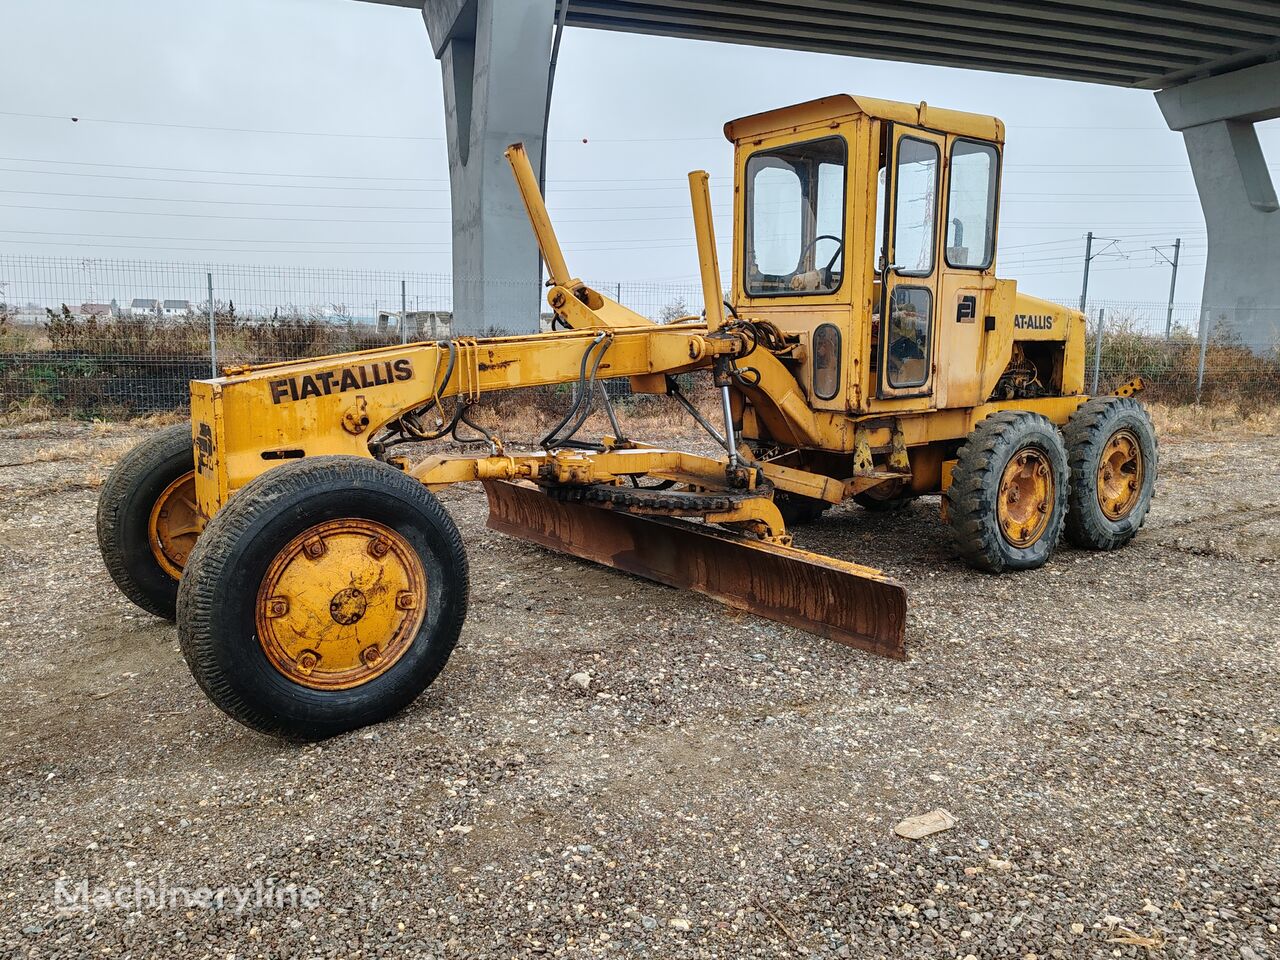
<point x="141" y="462"/>
<point x="970" y="505"/>
<point x="197" y="611"/>
<point x="1088" y="427"/>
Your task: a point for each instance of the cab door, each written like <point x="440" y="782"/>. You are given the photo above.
<point x="909" y="268"/>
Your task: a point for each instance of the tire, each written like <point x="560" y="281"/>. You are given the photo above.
<point x="219" y="604"/>
<point x="879" y="503"/>
<point x="124" y="514"/>
<point x="797" y="509"/>
<point x="974" y="499"/>
<point x="1089" y="435"/>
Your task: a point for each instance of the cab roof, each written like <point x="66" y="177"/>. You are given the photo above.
<point x="843" y="106"/>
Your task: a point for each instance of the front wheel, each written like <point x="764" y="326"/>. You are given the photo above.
<point x="324" y="597"/>
<point x="1008" y="494"/>
<point x="148" y="521"/>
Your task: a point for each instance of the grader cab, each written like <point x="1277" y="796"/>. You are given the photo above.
<point x="866" y="351"/>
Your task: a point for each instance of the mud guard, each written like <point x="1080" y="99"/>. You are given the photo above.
<point x="852" y="604"/>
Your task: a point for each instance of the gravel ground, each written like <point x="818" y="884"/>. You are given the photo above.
<point x="1105" y="731"/>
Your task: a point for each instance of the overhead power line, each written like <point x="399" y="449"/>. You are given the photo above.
<point x="268" y="131"/>
<point x="308" y="186"/>
<point x="318" y="176"/>
<point x="398" y="243"/>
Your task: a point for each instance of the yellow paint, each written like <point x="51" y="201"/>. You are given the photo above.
<point x="260" y="416"/>
<point x="341" y="603"/>
<point x="1025" y="502"/>
<point x="1120" y="473"/>
<point x="708" y="261"/>
<point x="174" y="524"/>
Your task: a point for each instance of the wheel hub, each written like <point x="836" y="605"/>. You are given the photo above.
<point x="1120" y="473"/>
<point x="174" y="525"/>
<point x="348" y="606"/>
<point x="341" y="603"/>
<point x="1026" y="497"/>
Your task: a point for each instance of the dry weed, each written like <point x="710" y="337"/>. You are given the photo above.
<point x="1130" y="938"/>
<point x="34" y="409"/>
<point x="1214" y="420"/>
<point x="87" y="449"/>
<point x="160" y="419"/>
<point x="149" y="422"/>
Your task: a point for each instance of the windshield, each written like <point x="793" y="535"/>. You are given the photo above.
<point x="795" y="219"/>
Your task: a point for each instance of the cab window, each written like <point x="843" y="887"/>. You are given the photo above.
<point x="915" y="207"/>
<point x="907" y="363"/>
<point x="795" y="219"/>
<point x="971" y="205"/>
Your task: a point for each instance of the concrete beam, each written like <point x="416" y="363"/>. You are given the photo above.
<point x="1250" y="94"/>
<point x="1241" y="212"/>
<point x="495" y="56"/>
<point x="446" y="19"/>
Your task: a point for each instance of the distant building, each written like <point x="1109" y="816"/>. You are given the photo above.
<point x="29" y="313"/>
<point x="177" y="308"/>
<point x="423" y="324"/>
<point x="141" y="307"/>
<point x="95" y="310"/>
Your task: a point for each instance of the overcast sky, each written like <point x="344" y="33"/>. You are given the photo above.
<point x="330" y="144"/>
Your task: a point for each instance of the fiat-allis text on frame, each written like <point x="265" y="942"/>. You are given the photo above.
<point x="866" y="351"/>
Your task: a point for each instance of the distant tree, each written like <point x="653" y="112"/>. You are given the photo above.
<point x="673" y="310"/>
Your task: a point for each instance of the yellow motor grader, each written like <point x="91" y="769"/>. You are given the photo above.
<point x="866" y="351"/>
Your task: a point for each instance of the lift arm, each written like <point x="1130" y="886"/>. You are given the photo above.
<point x="576" y="305"/>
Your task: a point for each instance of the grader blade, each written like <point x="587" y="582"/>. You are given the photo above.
<point x="843" y="601"/>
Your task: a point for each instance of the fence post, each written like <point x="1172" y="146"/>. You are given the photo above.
<point x="1204" y="346"/>
<point x="404" y="314"/>
<point x="1097" y="350"/>
<point x="213" y="331"/>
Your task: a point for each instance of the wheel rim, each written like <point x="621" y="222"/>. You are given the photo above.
<point x="175" y="524"/>
<point x="1026" y="497"/>
<point x="1120" y="471"/>
<point x="341" y="603"/>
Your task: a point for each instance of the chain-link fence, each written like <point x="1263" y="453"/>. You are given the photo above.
<point x="124" y="337"/>
<point x="112" y="338"/>
<point x="1184" y="352"/>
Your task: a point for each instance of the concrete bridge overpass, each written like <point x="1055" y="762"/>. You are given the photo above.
<point x="1214" y="64"/>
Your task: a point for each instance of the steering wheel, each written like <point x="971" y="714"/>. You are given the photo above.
<point x="826" y="271"/>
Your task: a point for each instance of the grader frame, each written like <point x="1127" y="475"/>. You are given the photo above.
<point x="873" y="380"/>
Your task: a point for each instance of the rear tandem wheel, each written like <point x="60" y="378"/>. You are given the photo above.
<point x="1113" y="452"/>
<point x="325" y="596"/>
<point x="1008" y="495"/>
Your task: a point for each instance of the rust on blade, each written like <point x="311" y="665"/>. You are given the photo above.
<point x="843" y="601"/>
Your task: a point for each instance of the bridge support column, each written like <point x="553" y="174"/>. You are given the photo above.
<point x="495" y="56"/>
<point x="1216" y="117"/>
